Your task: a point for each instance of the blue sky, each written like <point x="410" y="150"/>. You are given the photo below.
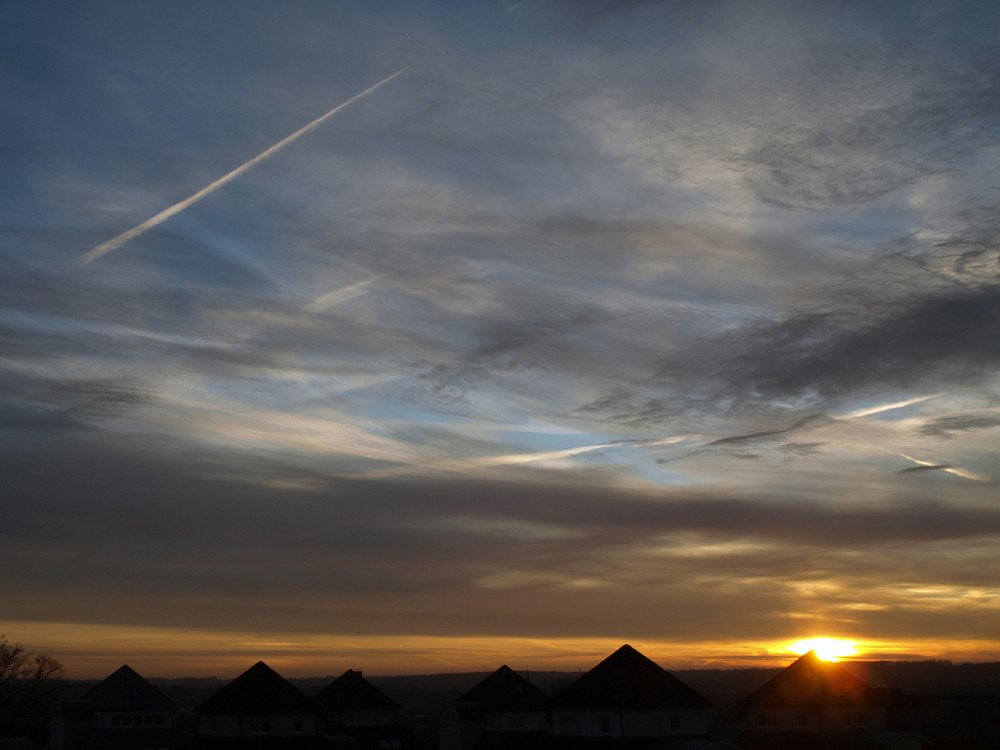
<point x="674" y="323"/>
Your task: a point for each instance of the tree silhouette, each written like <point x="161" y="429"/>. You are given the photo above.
<point x="27" y="685"/>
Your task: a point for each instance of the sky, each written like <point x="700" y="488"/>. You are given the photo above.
<point x="432" y="336"/>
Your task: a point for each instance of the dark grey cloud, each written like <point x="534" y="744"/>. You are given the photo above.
<point x="948" y="426"/>
<point x="918" y="469"/>
<point x="40" y="403"/>
<point x="820" y="359"/>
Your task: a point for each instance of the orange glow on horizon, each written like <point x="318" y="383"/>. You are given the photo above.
<point x="92" y="651"/>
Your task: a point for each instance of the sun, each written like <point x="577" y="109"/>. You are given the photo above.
<point x="828" y="649"/>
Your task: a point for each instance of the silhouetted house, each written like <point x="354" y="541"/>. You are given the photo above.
<point x="260" y="708"/>
<point x="629" y="701"/>
<point x="502" y="711"/>
<point x="357" y="714"/>
<point x="122" y="712"/>
<point x="819" y="705"/>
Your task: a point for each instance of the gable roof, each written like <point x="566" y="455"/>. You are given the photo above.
<point x="505" y="690"/>
<point x="625" y="681"/>
<point x="126" y="689"/>
<point x="259" y="690"/>
<point x="811" y="681"/>
<point x="352" y="692"/>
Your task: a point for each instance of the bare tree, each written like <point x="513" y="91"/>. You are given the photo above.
<point x="27" y="684"/>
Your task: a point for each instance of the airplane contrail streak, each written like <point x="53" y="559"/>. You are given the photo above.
<point x="344" y="294"/>
<point x="121" y="239"/>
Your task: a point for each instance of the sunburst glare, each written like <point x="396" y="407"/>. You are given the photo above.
<point x="828" y="649"/>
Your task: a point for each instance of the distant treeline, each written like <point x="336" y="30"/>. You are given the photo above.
<point x="428" y="692"/>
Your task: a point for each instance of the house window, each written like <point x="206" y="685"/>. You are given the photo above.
<point x="297" y="725"/>
<point x="449" y="718"/>
<point x="116" y="721"/>
<point x="767" y="719"/>
<point x="514" y="722"/>
<point x="605" y="725"/>
<point x="260" y="727"/>
<point x="127" y="720"/>
<point x="862" y="721"/>
<point x="675" y="723"/>
<point x="158" y="720"/>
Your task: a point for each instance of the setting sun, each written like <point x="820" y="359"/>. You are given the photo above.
<point x="828" y="649"/>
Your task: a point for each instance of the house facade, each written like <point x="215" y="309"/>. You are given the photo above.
<point x="121" y="711"/>
<point x="258" y="705"/>
<point x="817" y="704"/>
<point x="357" y="714"/>
<point x="628" y="696"/>
<point x="503" y="710"/>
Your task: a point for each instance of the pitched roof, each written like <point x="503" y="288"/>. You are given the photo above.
<point x="625" y="681"/>
<point x="126" y="689"/>
<point x="505" y="690"/>
<point x="810" y="681"/>
<point x="259" y="690"/>
<point x="352" y="692"/>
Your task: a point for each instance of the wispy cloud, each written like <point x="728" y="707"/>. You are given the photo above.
<point x="687" y="303"/>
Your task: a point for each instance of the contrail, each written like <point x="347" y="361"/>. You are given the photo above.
<point x="344" y="294"/>
<point x="888" y="407"/>
<point x="931" y="465"/>
<point x="175" y="209"/>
